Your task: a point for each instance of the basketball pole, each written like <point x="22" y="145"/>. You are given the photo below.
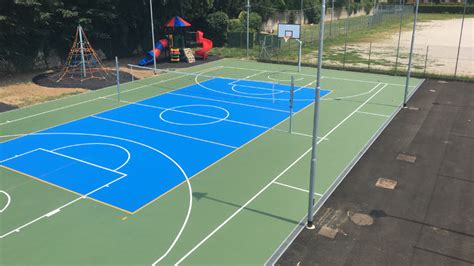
<point x="405" y="95"/>
<point x="312" y="175"/>
<point x="118" y="78"/>
<point x="152" y="37"/>
<point x="248" y="27"/>
<point x="299" y="54"/>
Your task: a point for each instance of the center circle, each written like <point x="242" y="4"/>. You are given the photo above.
<point x="282" y="80"/>
<point x="209" y="113"/>
<point x="234" y="88"/>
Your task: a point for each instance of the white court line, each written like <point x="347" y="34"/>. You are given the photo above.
<point x="8" y="201"/>
<point x="350" y="96"/>
<point x="275" y="179"/>
<point x="325" y="77"/>
<point x="163" y="131"/>
<point x="247" y="77"/>
<point x="375" y="114"/>
<point x="217" y="118"/>
<point x="94" y="99"/>
<point x="82" y="161"/>
<point x="100" y="143"/>
<point x="103" y="111"/>
<point x="296" y="188"/>
<point x="188" y="213"/>
<point x="222" y="101"/>
<point x="57" y="210"/>
<point x="18" y="155"/>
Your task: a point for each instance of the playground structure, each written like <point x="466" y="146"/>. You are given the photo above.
<point x="176" y="46"/>
<point x="82" y="63"/>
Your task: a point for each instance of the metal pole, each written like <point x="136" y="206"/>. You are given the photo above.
<point x="370" y="53"/>
<point x="118" y="78"/>
<point x="152" y="37"/>
<point x="292" y="95"/>
<point x="248" y="27"/>
<point x="426" y="60"/>
<point x="83" y="61"/>
<point x="131" y="73"/>
<point x="411" y="55"/>
<point x="312" y="177"/>
<point x="299" y="54"/>
<point x="399" y="36"/>
<point x="332" y="15"/>
<point x="301" y="13"/>
<point x="460" y="38"/>
<point x="345" y="45"/>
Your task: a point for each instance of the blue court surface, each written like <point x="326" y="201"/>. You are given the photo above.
<point x="129" y="156"/>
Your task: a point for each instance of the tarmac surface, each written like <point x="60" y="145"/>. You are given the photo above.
<point x="428" y="218"/>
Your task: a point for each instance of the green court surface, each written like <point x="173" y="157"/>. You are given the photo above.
<point x="244" y="207"/>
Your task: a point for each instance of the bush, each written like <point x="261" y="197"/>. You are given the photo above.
<point x="255" y="20"/>
<point x="368" y="5"/>
<point x="217" y="27"/>
<point x="235" y="25"/>
<point x="292" y="18"/>
<point x="452" y="9"/>
<point x="312" y="11"/>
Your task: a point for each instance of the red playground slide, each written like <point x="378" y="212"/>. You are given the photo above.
<point x="206" y="45"/>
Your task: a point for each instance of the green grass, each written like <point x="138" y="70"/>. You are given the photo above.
<point x="240" y="188"/>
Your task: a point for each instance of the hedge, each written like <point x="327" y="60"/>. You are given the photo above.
<point x="452" y="9"/>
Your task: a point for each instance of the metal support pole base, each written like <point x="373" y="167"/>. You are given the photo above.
<point x="310" y="226"/>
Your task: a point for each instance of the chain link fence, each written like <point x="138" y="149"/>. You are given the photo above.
<point x="345" y="50"/>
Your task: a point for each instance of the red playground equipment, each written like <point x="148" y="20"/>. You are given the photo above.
<point x="206" y="45"/>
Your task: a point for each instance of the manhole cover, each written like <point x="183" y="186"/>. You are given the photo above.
<point x="386" y="183"/>
<point x="362" y="219"/>
<point x="406" y="158"/>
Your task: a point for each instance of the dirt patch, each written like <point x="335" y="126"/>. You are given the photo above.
<point x="436" y="46"/>
<point x="27" y="93"/>
<point x="19" y="90"/>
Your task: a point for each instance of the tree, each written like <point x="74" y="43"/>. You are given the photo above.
<point x="217" y="27"/>
<point x="255" y="20"/>
<point x="312" y="11"/>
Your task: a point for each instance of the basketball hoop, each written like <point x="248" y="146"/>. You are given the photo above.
<point x="286" y="38"/>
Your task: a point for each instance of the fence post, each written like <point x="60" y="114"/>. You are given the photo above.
<point x="370" y="53"/>
<point x="426" y="60"/>
<point x="345" y="47"/>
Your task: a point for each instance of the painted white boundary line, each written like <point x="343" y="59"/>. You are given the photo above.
<point x="57" y="210"/>
<point x="188" y="213"/>
<point x="375" y="114"/>
<point x="296" y="188"/>
<point x="325" y="77"/>
<point x="276" y="178"/>
<point x="18" y="155"/>
<point x="9" y="199"/>
<point x="163" y="131"/>
<point x="82" y="161"/>
<point x="301" y="225"/>
<point x="100" y="143"/>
